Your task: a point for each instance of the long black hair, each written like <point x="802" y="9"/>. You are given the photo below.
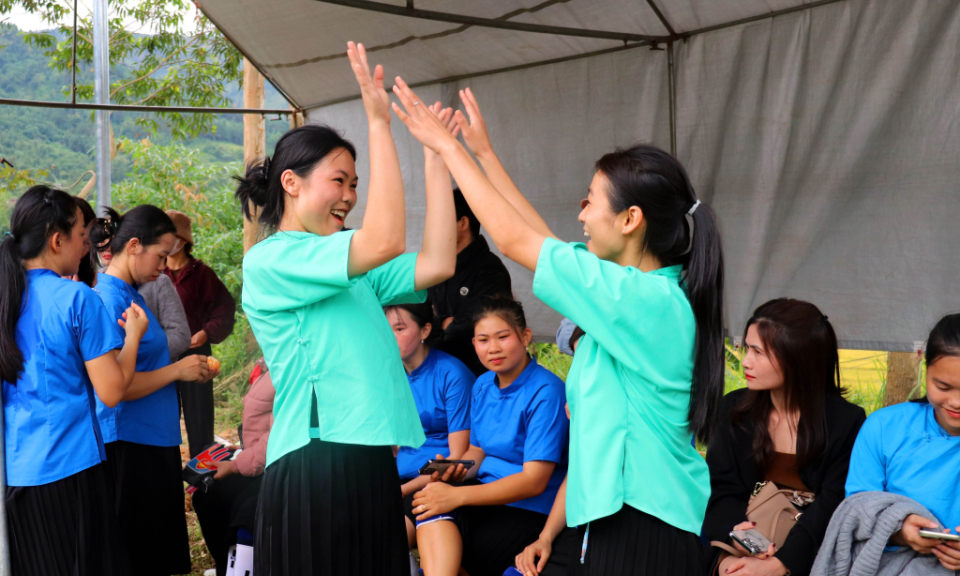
<point x="299" y="150"/>
<point x="801" y="340"/>
<point x="38" y="214"/>
<point x="422" y="315"/>
<point x="944" y="339"/>
<point x="87" y="272"/>
<point x="656" y="182"/>
<point x="146" y="223"/>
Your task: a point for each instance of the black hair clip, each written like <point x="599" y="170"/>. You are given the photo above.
<point x="824" y="318"/>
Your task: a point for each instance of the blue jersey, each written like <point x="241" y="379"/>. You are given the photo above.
<point x="50" y="425"/>
<point x="902" y="449"/>
<point x="153" y="420"/>
<point x="441" y="390"/>
<point x="523" y="422"/>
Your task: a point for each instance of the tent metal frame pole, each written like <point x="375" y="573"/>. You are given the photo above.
<point x="101" y="86"/>
<point x="73" y="62"/>
<point x="672" y="87"/>
<point x="663" y="19"/>
<point x="435" y="16"/>
<point x="654" y="40"/>
<point x="138" y="108"/>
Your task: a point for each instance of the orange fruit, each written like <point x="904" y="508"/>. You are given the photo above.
<point x="213" y="363"/>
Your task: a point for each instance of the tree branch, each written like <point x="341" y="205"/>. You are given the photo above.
<point x="152" y="72"/>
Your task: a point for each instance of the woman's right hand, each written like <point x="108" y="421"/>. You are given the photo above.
<point x="909" y="534"/>
<point x="193" y="369"/>
<point x="475" y="131"/>
<point x="135" y="321"/>
<point x="446" y="116"/>
<point x="375" y="99"/>
<point x="771" y="550"/>
<point x="527" y="560"/>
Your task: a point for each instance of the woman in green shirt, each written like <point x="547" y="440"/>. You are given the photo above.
<point x="648" y="374"/>
<point x="313" y="293"/>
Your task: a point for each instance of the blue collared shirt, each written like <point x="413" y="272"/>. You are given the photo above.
<point x="902" y="449"/>
<point x="523" y="422"/>
<point x="441" y="390"/>
<point x="50" y="425"/>
<point x="153" y="420"/>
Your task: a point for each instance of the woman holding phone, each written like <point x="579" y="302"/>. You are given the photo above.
<point x="648" y="374"/>
<point x="329" y="500"/>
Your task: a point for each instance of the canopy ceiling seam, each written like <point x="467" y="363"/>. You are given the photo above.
<point x="652" y="42"/>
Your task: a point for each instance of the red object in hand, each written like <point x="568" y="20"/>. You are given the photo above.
<point x="213" y="363"/>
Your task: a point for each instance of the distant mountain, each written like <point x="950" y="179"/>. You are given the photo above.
<point x="62" y="141"/>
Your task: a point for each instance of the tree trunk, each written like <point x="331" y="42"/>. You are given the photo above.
<point x="254" y="140"/>
<point x="901" y="376"/>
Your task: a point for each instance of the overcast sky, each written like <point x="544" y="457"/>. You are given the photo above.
<point x="26" y="21"/>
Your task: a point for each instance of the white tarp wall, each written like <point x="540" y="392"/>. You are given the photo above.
<point x="827" y="140"/>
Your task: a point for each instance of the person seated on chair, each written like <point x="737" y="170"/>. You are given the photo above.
<point x="913" y="449"/>
<point x="231" y="503"/>
<point x="518" y="441"/>
<point x="790" y="426"/>
<point x="441" y="389"/>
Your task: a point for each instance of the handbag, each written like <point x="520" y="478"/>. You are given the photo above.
<point x="775" y="513"/>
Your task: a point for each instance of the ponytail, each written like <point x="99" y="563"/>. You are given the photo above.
<point x="299" y="150"/>
<point x="38" y="214"/>
<point x="656" y="182"/>
<point x="146" y="223"/>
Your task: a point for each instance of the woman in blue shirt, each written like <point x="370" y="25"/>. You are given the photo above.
<point x="142" y="433"/>
<point x="441" y="390"/>
<point x="518" y="441"/>
<point x="913" y="449"/>
<point x="58" y="349"/>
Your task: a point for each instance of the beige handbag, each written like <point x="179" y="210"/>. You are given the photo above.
<point x="775" y="513"/>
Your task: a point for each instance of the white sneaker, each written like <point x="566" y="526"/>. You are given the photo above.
<point x="210" y="572"/>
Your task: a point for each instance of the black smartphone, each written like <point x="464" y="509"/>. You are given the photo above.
<point x="441" y="466"/>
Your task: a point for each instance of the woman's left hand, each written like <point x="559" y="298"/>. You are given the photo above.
<point x="749" y="566"/>
<point x="446" y="116"/>
<point x="224" y="468"/>
<point x="420" y="119"/>
<point x="435" y="498"/>
<point x="198" y="339"/>
<point x="948" y="553"/>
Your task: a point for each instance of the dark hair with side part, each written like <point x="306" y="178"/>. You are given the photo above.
<point x="507" y="309"/>
<point x="463" y="210"/>
<point x="146" y="223"/>
<point x="38" y="214"/>
<point x="656" y="182"/>
<point x="944" y="339"/>
<point x="799" y="338"/>
<point x="87" y="272"/>
<point x="422" y="315"/>
<point x="299" y="150"/>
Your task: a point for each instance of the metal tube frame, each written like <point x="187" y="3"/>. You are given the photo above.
<point x="138" y="108"/>
<point x="101" y="84"/>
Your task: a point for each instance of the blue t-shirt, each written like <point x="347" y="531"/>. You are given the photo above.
<point x="50" y="425"/>
<point x="441" y="390"/>
<point x="524" y="422"/>
<point x="902" y="449"/>
<point x="153" y="420"/>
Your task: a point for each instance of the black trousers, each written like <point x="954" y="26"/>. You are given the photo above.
<point x="196" y="401"/>
<point x="230" y="504"/>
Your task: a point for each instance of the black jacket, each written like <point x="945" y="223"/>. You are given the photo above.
<point x="479" y="273"/>
<point x="733" y="476"/>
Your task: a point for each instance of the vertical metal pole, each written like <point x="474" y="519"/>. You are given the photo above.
<point x="101" y="71"/>
<point x="73" y="77"/>
<point x="672" y="83"/>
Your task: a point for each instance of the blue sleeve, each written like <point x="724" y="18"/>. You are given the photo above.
<point x="547" y="425"/>
<point x="456" y="397"/>
<point x="97" y="332"/>
<point x="395" y="281"/>
<point x="868" y="466"/>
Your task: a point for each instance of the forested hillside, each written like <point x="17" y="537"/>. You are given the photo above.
<point x="62" y="141"/>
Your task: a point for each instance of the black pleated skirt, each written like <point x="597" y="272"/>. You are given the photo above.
<point x="66" y="528"/>
<point x="150" y="507"/>
<point x="633" y="543"/>
<point x="331" y="509"/>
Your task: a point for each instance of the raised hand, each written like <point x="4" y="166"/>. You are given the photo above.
<point x="475" y="131"/>
<point x="375" y="99"/>
<point x="446" y="117"/>
<point x="134" y="321"/>
<point x="422" y="122"/>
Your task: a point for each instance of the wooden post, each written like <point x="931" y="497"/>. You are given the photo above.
<point x="254" y="139"/>
<point x="902" y="370"/>
<point x="296" y="119"/>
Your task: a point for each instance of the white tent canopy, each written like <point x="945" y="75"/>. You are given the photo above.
<point x="826" y="134"/>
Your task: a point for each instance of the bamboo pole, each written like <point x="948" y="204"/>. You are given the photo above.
<point x="254" y="139"/>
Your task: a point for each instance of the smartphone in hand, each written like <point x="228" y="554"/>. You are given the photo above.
<point x="752" y="541"/>
<point x="940" y="535"/>
<point x="441" y="466"/>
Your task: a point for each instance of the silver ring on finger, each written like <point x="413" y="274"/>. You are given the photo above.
<point x="416" y="103"/>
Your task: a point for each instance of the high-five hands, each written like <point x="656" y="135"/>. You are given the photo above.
<point x="475" y="131"/>
<point x="446" y="117"/>
<point x="425" y="125"/>
<point x="375" y="99"/>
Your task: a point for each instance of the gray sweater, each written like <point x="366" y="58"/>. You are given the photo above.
<point x="162" y="299"/>
<point x="858" y="534"/>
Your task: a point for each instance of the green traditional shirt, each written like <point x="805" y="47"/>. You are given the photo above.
<point x="325" y="333"/>
<point x="628" y="388"/>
